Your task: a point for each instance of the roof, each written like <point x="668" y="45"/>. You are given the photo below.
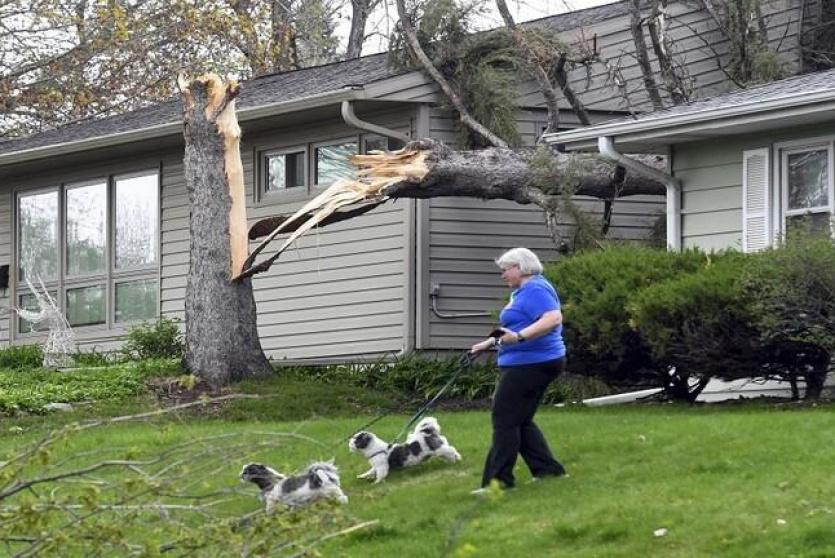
<point x="792" y="101"/>
<point x="272" y="94"/>
<point x="282" y="88"/>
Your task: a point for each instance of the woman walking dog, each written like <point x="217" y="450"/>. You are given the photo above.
<point x="531" y="356"/>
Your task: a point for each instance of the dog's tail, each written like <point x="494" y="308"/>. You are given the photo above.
<point x="428" y="425"/>
<point x="323" y="473"/>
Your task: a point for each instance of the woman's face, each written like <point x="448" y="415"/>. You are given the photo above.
<point x="512" y="276"/>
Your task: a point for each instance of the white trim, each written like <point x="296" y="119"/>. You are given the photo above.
<point x="765" y="212"/>
<point x="781" y="151"/>
<point x="708" y="118"/>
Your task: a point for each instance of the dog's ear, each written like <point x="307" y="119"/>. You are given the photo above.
<point x="361" y="440"/>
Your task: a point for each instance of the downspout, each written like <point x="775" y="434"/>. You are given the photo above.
<point x="352" y="120"/>
<point x="606" y="146"/>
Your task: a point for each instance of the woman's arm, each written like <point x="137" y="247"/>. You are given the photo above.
<point x="544" y="325"/>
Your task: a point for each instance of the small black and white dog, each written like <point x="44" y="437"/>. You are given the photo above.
<point x="320" y="480"/>
<point x="424" y="442"/>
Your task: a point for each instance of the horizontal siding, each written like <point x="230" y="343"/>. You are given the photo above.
<point x="339" y="292"/>
<point x="695" y="39"/>
<point x="465" y="236"/>
<point x="711" y="176"/>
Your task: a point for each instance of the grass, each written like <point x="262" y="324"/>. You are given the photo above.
<point x="718" y="479"/>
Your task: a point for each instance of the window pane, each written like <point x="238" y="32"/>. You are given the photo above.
<point x="137" y="220"/>
<point x="332" y="162"/>
<point x="811" y="223"/>
<point x="808" y="179"/>
<point x="136" y="300"/>
<point x="380" y="143"/>
<point x="85" y="306"/>
<point x="29" y="302"/>
<point x="38" y="236"/>
<point x="285" y="170"/>
<point x="86" y="234"/>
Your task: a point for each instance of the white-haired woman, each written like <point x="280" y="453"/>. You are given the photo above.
<point x="531" y="356"/>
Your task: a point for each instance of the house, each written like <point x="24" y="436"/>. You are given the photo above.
<point x="99" y="211"/>
<point x="743" y="168"/>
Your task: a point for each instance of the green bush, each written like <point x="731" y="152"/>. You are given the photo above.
<point x="21" y="357"/>
<point x="792" y="289"/>
<point x="160" y="339"/>
<point x="595" y="288"/>
<point x="699" y="326"/>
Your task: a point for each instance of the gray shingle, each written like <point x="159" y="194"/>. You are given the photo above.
<point x="789" y="87"/>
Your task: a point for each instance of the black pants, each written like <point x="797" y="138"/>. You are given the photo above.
<point x="518" y="393"/>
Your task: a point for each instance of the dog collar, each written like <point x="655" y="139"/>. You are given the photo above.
<point x="376" y="453"/>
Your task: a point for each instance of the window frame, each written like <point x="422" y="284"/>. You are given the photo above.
<point x="357" y="139"/>
<point x="287" y="195"/>
<point x="782" y="213"/>
<point x="284" y="194"/>
<point x="111" y="276"/>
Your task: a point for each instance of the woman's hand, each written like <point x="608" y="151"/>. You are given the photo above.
<point x="484" y="345"/>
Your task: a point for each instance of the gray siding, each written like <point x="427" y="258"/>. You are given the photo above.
<point x="711" y="175"/>
<point x="347" y="290"/>
<point x="696" y="42"/>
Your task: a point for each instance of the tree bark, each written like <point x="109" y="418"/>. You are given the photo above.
<point x="359" y="18"/>
<point x="222" y="342"/>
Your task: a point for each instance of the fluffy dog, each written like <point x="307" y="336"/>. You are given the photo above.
<point x="320" y="480"/>
<point x="424" y="442"/>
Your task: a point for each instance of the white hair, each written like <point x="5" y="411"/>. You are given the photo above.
<point x="526" y="260"/>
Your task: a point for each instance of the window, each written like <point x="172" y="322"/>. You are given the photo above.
<point x="288" y="169"/>
<point x="95" y="246"/>
<point x="333" y="162"/>
<point x="807" y="188"/>
<point x="284" y="169"/>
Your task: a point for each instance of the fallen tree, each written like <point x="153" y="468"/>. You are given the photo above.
<point x="428" y="169"/>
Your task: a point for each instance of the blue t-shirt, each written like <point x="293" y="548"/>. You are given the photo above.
<point x="527" y="304"/>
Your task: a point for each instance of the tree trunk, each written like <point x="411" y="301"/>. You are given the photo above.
<point x="359" y="17"/>
<point x="222" y="342"/>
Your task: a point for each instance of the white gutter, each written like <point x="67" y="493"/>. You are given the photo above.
<point x="705" y="118"/>
<point x="353" y="120"/>
<point x="170" y="128"/>
<point x="606" y="146"/>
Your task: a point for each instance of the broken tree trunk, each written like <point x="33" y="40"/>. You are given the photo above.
<point x="428" y="169"/>
<point x="222" y="342"/>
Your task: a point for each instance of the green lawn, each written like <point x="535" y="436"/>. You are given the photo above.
<point x="736" y="480"/>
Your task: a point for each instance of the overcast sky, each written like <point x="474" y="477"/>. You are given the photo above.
<point x="522" y="10"/>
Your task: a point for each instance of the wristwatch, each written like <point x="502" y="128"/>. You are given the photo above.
<point x="519" y="337"/>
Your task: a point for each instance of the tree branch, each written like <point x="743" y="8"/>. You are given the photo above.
<point x="429" y="68"/>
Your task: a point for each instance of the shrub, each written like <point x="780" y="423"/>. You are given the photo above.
<point x="793" y="302"/>
<point x="595" y="288"/>
<point x="29" y="391"/>
<point x="21" y="357"/>
<point x="698" y="326"/>
<point x="160" y="339"/>
<point x="423" y="377"/>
